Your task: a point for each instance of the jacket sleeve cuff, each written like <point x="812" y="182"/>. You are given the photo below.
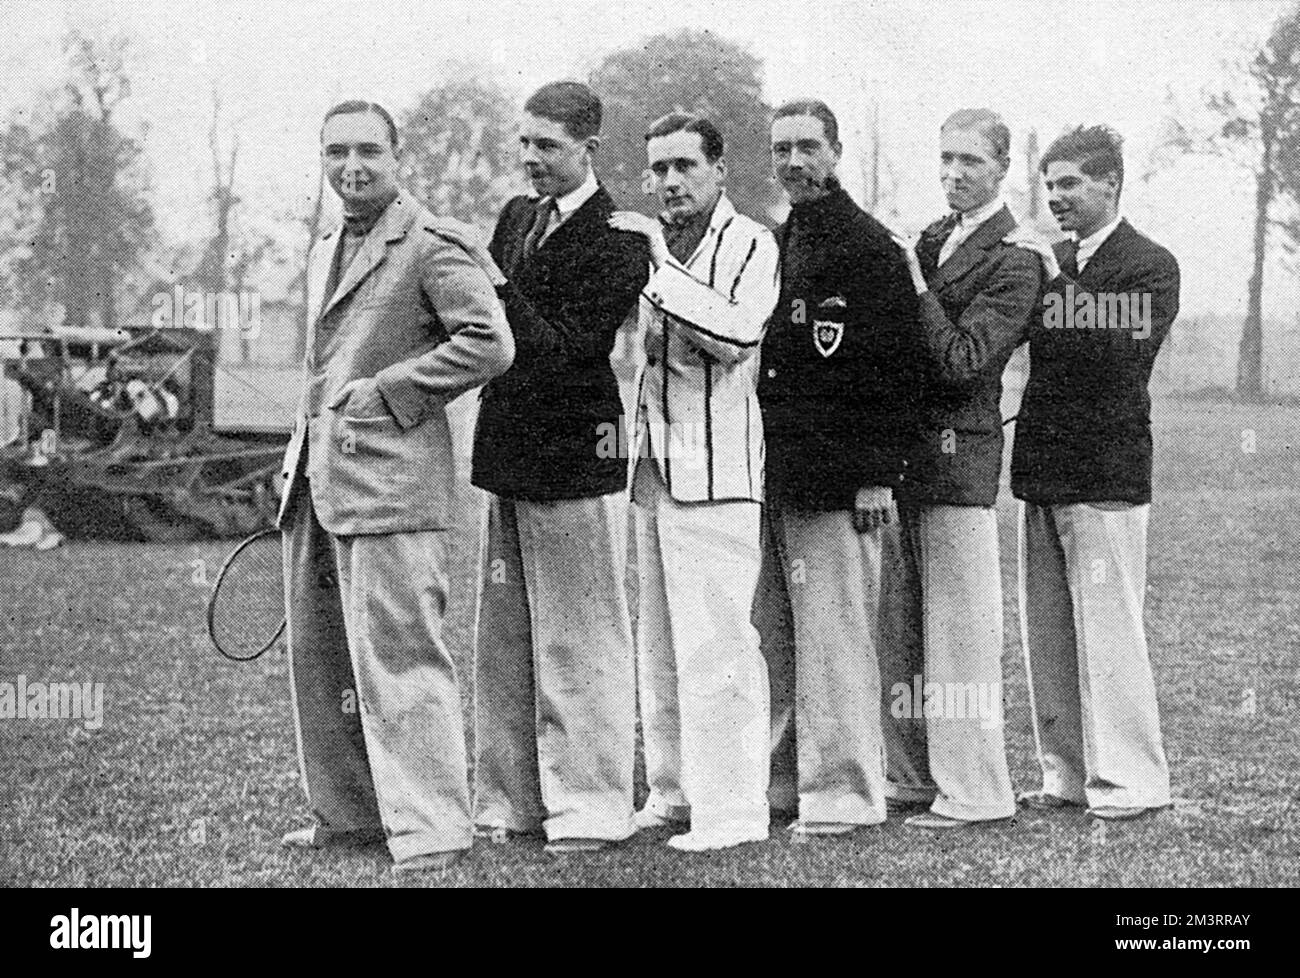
<point x="678" y="293"/>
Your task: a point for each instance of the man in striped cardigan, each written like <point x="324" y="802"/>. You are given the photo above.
<point x="697" y="487"/>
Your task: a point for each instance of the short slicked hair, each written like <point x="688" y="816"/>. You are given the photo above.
<point x="988" y="124"/>
<point x="710" y="138"/>
<point x="818" y="110"/>
<point x="1097" y="150"/>
<point x="572" y="104"/>
<point x="360" y="105"/>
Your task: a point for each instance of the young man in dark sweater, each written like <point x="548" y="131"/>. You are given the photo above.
<point x="1082" y="465"/>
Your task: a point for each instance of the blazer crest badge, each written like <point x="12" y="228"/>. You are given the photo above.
<point x="827" y="333"/>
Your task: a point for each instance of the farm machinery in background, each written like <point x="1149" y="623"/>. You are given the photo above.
<point x="118" y="436"/>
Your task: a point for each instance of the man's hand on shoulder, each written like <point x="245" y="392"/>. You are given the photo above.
<point x="908" y="246"/>
<point x="1026" y="237"/>
<point x="635" y="223"/>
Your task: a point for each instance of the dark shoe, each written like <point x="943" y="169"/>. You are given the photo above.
<point x="647" y="820"/>
<point x="1116" y="813"/>
<point x="499" y="835"/>
<point x="429" y="862"/>
<point x="904" y="806"/>
<point x="942" y="823"/>
<point x="563" y="847"/>
<point x="1043" y="801"/>
<point x="319" y="837"/>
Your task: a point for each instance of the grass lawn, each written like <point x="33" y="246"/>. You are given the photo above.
<point x="192" y="778"/>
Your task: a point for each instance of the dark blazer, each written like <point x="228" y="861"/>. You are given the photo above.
<point x="540" y="424"/>
<point x="975" y="314"/>
<point x="1084" y="430"/>
<point x="416" y="320"/>
<point x="837" y="382"/>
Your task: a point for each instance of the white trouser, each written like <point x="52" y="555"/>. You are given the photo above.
<point x="555" y="714"/>
<point x="818" y="613"/>
<point x="1096" y="721"/>
<point x="701" y="677"/>
<point x="944" y="614"/>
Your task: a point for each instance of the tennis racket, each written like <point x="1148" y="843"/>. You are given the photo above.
<point x="246" y="609"/>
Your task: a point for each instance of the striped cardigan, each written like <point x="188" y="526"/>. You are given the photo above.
<point x="703" y="320"/>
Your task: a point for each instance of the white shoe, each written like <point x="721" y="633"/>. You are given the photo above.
<point x="702" y="840"/>
<point x="49" y="541"/>
<point x="24" y="536"/>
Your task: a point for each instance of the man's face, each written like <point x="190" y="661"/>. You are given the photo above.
<point x="359" y="159"/>
<point x="556" y="163"/>
<point x="970" y="172"/>
<point x="803" y="157"/>
<point x="1080" y="203"/>
<point x="687" y="183"/>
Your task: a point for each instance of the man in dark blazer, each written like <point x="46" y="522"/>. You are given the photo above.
<point x="404" y="318"/>
<point x="977" y="295"/>
<point x="836" y="391"/>
<point x="555" y="674"/>
<point x="1082" y="464"/>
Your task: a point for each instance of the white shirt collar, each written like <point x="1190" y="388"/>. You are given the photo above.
<point x="967" y="225"/>
<point x="973" y="219"/>
<point x="575" y="198"/>
<point x="1088" y="246"/>
<point x="723" y="211"/>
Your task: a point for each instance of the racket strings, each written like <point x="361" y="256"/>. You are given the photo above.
<point x="246" y="610"/>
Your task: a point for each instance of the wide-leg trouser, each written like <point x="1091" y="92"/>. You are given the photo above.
<point x="702" y="679"/>
<point x="555" y="680"/>
<point x="945" y="626"/>
<point x="817" y="612"/>
<point x="376" y="703"/>
<point x="1093" y="695"/>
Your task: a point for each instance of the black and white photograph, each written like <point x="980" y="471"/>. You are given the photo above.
<point x="600" y="444"/>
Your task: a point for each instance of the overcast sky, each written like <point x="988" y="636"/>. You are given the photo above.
<point x="279" y="64"/>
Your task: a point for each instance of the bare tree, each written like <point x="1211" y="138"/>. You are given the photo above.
<point x="1257" y="118"/>
<point x="879" y="179"/>
<point x="224" y="200"/>
<point x="311" y="223"/>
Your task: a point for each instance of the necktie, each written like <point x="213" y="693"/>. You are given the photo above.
<point x="541" y="221"/>
<point x="932" y="240"/>
<point x="952" y="242"/>
<point x="1071" y="264"/>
